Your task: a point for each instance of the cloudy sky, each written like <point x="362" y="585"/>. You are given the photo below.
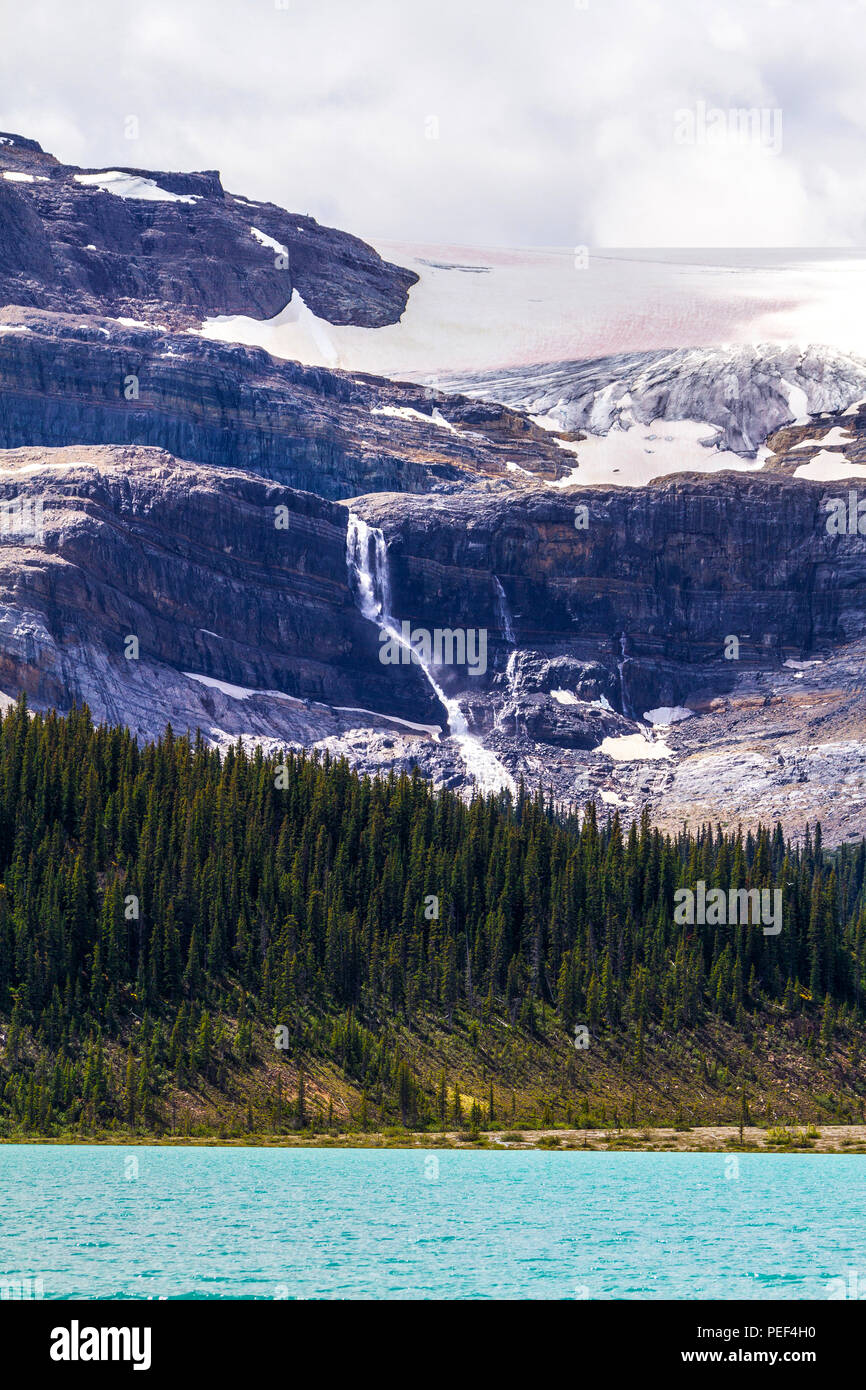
<point x="550" y="123"/>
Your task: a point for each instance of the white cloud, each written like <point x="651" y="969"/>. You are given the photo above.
<point x="555" y="123"/>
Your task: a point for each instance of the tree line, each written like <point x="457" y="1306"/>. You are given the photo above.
<point x="150" y="893"/>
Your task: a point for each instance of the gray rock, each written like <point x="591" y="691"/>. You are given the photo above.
<point x="72" y="247"/>
<point x="67" y="380"/>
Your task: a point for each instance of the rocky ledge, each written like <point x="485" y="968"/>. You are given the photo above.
<point x="176" y="247"/>
<point x="778" y="745"/>
<point x="68" y="380"/>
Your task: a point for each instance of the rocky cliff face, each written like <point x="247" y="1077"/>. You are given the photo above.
<point x="673" y="570"/>
<point x="240" y="582"/>
<point x="606" y="676"/>
<point x="174" y="248"/>
<point x="696" y="647"/>
<point x="65" y="380"/>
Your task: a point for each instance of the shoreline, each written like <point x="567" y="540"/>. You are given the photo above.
<point x="837" y="1139"/>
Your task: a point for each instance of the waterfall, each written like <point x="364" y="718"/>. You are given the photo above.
<point x="511" y="686"/>
<point x="504" y="616"/>
<point x="621" y="669"/>
<point x="367" y="559"/>
<point x="370" y="577"/>
<point x="370" y="582"/>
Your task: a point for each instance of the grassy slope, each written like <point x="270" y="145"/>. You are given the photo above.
<point x="690" y="1077"/>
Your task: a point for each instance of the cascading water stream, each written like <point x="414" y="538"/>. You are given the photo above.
<point x="510" y="683"/>
<point x="507" y="627"/>
<point x="504" y="615"/>
<point x="367" y="558"/>
<point x="369" y="576"/>
<point x="621" y="669"/>
<point x="647" y="730"/>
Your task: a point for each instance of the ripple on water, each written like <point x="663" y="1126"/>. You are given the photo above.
<point x="225" y="1223"/>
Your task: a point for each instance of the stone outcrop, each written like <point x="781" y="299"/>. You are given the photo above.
<point x="176" y="249"/>
<point x="67" y="380"/>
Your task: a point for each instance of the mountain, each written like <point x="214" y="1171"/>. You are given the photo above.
<point x="409" y="702"/>
<point x="619" y="680"/>
<point x="610" y="527"/>
<point x="248" y="623"/>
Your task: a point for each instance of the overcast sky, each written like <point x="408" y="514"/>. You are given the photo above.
<point x="486" y="122"/>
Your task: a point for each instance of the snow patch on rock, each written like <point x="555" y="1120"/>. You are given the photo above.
<point x="666" y="715"/>
<point x="406" y="412"/>
<point x="295" y="333"/>
<point x="264" y="240"/>
<point x="126" y="185"/>
<point x="833" y="439"/>
<point x="829" y="468"/>
<point x="630" y="748"/>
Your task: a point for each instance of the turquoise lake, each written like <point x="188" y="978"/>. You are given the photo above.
<point x="292" y="1223"/>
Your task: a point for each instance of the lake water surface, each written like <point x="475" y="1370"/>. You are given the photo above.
<point x="106" y="1222"/>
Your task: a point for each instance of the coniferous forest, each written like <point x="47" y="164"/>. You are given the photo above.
<point x="215" y="944"/>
